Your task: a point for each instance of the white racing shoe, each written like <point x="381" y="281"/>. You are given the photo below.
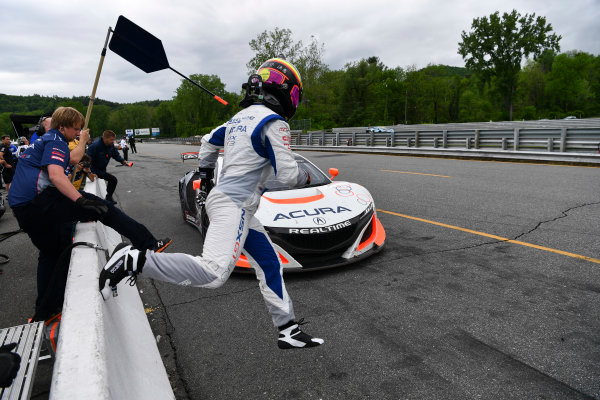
<point x="291" y="337"/>
<point x="124" y="262"/>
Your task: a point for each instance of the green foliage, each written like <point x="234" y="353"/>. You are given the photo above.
<point x="496" y="46"/>
<point x="277" y="43"/>
<point x="570" y="83"/>
<point x="194" y="111"/>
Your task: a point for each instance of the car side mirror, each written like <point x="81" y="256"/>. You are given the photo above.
<point x="333" y="172"/>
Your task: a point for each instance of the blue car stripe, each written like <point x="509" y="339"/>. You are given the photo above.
<point x="258" y="246"/>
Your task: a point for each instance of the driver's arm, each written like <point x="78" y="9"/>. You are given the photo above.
<point x="277" y="143"/>
<point x="211" y="145"/>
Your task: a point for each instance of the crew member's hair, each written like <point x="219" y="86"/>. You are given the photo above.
<point x="4" y="137"/>
<point x="67" y="117"/>
<point x="108" y="134"/>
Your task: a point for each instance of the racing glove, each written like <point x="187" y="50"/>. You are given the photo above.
<point x="9" y="364"/>
<point x="95" y="206"/>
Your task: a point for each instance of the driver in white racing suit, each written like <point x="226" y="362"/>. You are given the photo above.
<point x="256" y="144"/>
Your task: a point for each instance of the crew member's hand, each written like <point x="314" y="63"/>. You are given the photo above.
<point x="95" y="206"/>
<point x="84" y="136"/>
<point x="128" y="164"/>
<point x="9" y="364"/>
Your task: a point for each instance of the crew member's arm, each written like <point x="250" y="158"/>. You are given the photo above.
<point x="79" y="151"/>
<point x="114" y="153"/>
<point x="4" y="162"/>
<point x="277" y="143"/>
<point x="58" y="178"/>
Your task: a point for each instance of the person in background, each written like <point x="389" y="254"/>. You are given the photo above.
<point x="23" y="145"/>
<point x="101" y="151"/>
<point x="43" y="127"/>
<point x="124" y="147"/>
<point x="7" y="160"/>
<point x="132" y="144"/>
<point x="82" y="171"/>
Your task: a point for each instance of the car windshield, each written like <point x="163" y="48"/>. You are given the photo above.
<point x="317" y="178"/>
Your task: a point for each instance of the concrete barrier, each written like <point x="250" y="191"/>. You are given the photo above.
<point x="106" y="349"/>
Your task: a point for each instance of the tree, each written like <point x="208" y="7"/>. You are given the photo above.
<point x="570" y="83"/>
<point x="307" y="59"/>
<point x="496" y="46"/>
<point x="277" y="43"/>
<point x="194" y="111"/>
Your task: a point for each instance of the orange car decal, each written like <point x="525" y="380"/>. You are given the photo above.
<point x="243" y="261"/>
<point x="377" y="235"/>
<point x="298" y="200"/>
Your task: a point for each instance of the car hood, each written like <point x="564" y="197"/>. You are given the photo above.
<point x="316" y="206"/>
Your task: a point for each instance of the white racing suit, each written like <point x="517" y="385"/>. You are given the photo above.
<point x="256" y="143"/>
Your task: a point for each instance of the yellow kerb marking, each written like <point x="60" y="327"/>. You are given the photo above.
<point x="414" y="173"/>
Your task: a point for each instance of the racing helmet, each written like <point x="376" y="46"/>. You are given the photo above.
<point x="277" y="84"/>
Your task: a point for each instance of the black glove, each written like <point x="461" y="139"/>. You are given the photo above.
<point x="206" y="173"/>
<point x="9" y="364"/>
<point x="95" y="206"/>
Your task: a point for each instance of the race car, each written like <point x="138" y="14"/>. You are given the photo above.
<point x="321" y="225"/>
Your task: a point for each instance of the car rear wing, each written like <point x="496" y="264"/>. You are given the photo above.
<point x="189" y="156"/>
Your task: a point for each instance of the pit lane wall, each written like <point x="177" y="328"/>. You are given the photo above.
<point x="106" y="349"/>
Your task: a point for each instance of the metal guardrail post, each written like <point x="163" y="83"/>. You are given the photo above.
<point x="353" y="139"/>
<point x="337" y="138"/>
<point x="563" y="140"/>
<point x="393" y="139"/>
<point x="416" y="138"/>
<point x="444" y="138"/>
<point x="516" y="140"/>
<point x="550" y="144"/>
<point x="310" y="139"/>
<point x="477" y="137"/>
<point x="504" y="143"/>
<point x="372" y="139"/>
<point x="468" y="143"/>
<point x="435" y="142"/>
<point x="323" y="139"/>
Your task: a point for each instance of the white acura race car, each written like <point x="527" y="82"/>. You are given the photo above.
<point x="321" y="225"/>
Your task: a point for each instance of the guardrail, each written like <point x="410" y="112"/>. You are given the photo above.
<point x="566" y="144"/>
<point x="576" y="140"/>
<point x="106" y="350"/>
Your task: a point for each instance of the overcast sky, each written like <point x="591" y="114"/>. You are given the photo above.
<point x="52" y="47"/>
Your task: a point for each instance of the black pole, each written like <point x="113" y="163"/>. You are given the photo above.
<point x="200" y="86"/>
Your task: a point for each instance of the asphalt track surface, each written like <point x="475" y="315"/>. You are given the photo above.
<point x="489" y="287"/>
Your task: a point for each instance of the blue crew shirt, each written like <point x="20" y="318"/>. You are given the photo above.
<point x="101" y="155"/>
<point x="31" y="176"/>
